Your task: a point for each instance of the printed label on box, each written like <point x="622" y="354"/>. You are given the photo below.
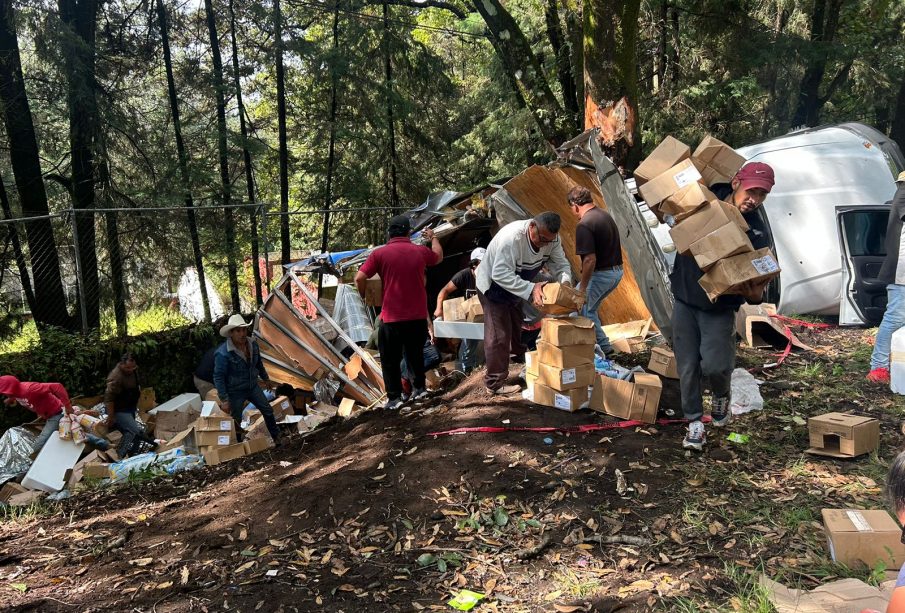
<point x="568" y="376"/>
<point x="529" y="359"/>
<point x="285" y="404"/>
<point x="226" y="425"/>
<point x="687" y="176"/>
<point x="562" y="402"/>
<point x="858" y="521"/>
<point x="765" y="265"/>
<point x="223" y="440"/>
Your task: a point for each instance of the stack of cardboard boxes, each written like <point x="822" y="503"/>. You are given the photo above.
<point x="463" y="309"/>
<point x="673" y="181"/>
<point x="562" y="368"/>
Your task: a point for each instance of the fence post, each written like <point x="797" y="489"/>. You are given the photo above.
<point x="78" y="271"/>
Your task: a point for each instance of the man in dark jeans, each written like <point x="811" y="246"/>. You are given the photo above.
<point x="703" y="331"/>
<point x="401" y="265"/>
<point x="121" y="399"/>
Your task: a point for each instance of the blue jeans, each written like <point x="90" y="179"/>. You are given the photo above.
<point x="468" y="355"/>
<point x="893" y="319"/>
<point x="133" y="433"/>
<point x="602" y="282"/>
<point x="51" y="426"/>
<point x="239" y="398"/>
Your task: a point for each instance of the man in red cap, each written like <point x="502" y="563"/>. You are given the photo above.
<point x="47" y="400"/>
<point x="703" y="331"/>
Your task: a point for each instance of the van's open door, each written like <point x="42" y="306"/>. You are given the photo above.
<point x="862" y="236"/>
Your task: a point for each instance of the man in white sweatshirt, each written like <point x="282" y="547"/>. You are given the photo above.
<point x="505" y="278"/>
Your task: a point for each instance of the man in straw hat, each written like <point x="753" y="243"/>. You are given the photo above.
<point x="237" y="367"/>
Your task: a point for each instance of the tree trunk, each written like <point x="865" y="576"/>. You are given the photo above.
<point x="564" y="72"/>
<point x="771" y="104"/>
<point x="331" y="150"/>
<point x="246" y="156"/>
<point x="281" y="120"/>
<point x="660" y="56"/>
<point x="520" y="62"/>
<point x="78" y="46"/>
<point x="611" y="76"/>
<point x="183" y="160"/>
<point x="18" y="254"/>
<point x="897" y="133"/>
<point x="674" y="67"/>
<point x="391" y="126"/>
<point x="824" y="22"/>
<point x="117" y="276"/>
<point x="226" y="187"/>
<point x="50" y="301"/>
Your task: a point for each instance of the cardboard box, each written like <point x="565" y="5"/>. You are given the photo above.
<point x="564" y="357"/>
<point x="96" y="470"/>
<point x="560" y="299"/>
<point x="10" y="489"/>
<point x="667" y="154"/>
<point x="256" y="445"/>
<point x="215" y="424"/>
<point x="570" y="400"/>
<point x="25" y="498"/>
<point x="685" y="201"/>
<point x="281" y="407"/>
<point x="568" y="331"/>
<point x="758" y="327"/>
<point x="840" y="596"/>
<point x="669" y="182"/>
<point x="863" y="537"/>
<point x="727" y="275"/>
<point x="452" y="309"/>
<point x="473" y="310"/>
<point x="346" y="407"/>
<point x="722" y="243"/>
<point x="663" y="362"/>
<point x="840" y="435"/>
<point x="223" y="454"/>
<point x="636" y="399"/>
<point x="629" y="345"/>
<point x="709" y="218"/>
<point x="180" y="439"/>
<point x="716" y="161"/>
<point x="177" y="414"/>
<point x="215" y="439"/>
<point x="258" y="429"/>
<point x="374" y="291"/>
<point x="564" y="379"/>
<point x="629" y="337"/>
<point x="532" y="361"/>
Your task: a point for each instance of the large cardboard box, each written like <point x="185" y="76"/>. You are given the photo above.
<point x="560" y="299"/>
<point x="729" y="274"/>
<point x="374" y="291"/>
<point x="453" y="309"/>
<point x="570" y="400"/>
<point x="636" y="399"/>
<point x="215" y="439"/>
<point x="568" y="331"/>
<point x="532" y="362"/>
<point x="684" y="202"/>
<point x="667" y="154"/>
<point x="663" y="362"/>
<point x="281" y="407"/>
<point x="565" y="357"/>
<point x="716" y="161"/>
<point x="864" y="537"/>
<point x="724" y="242"/>
<point x="709" y="218"/>
<point x="215" y="424"/>
<point x="224" y="454"/>
<point x="840" y="435"/>
<point x="564" y="379"/>
<point x="472" y="310"/>
<point x="669" y="182"/>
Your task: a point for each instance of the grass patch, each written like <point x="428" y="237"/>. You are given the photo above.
<point x="575" y="585"/>
<point x="27" y="513"/>
<point x="745" y="594"/>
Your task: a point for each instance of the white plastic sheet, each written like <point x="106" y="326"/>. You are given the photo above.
<point x="745" y="393"/>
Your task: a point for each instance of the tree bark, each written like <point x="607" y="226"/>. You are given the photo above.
<point x="117" y="276"/>
<point x="281" y="121"/>
<point x="18" y="254"/>
<point x="183" y="159"/>
<point x="897" y="133"/>
<point x="50" y="301"/>
<point x="223" y="151"/>
<point x="391" y="124"/>
<point x="824" y="22"/>
<point x="660" y="55"/>
<point x="564" y="72"/>
<point x="79" y="18"/>
<point x="331" y="150"/>
<point x="246" y="157"/>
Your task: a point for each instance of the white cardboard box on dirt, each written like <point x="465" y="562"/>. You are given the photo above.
<point x="48" y="473"/>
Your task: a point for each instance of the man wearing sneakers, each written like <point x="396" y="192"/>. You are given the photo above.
<point x="401" y="265"/>
<point x="893" y="274"/>
<point x="703" y="331"/>
<point x="506" y="277"/>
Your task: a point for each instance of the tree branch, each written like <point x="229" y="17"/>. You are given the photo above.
<point x="437" y="4"/>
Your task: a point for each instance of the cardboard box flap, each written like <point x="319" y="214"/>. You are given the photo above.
<point x="631" y="329"/>
<point x="758" y="328"/>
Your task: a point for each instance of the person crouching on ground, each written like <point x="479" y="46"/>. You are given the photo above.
<point x="506" y="277"/>
<point x="237" y="367"/>
<point x="47" y="400"/>
<point x="461" y="284"/>
<point x="121" y="399"/>
<point x="703" y="331"/>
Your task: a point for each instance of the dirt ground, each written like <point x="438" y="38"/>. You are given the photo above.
<point x="374" y="513"/>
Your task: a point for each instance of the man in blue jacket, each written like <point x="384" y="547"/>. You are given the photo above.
<point x="237" y="367"/>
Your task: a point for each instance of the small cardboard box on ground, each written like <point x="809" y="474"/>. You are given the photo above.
<point x="636" y="399"/>
<point x="564" y="379"/>
<point x="716" y="161"/>
<point x="560" y="299"/>
<point x="839" y="435"/>
<point x="217" y="455"/>
<point x="256" y="445"/>
<point x="667" y="154"/>
<point x="570" y="400"/>
<point x="473" y="310"/>
<point x="281" y="407"/>
<point x="709" y="218"/>
<point x="663" y="362"/>
<point x="685" y="202"/>
<point x="729" y="274"/>
<point x="452" y="309"/>
<point x="840" y="596"/>
<point x="96" y="470"/>
<point x="176" y="414"/>
<point x="564" y="357"/>
<point x="10" y="489"/>
<point x="669" y="182"/>
<point x="856" y="536"/>
<point x="374" y="291"/>
<point x="568" y="331"/>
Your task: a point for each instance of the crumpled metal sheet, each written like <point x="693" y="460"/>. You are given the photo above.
<point x="326" y="389"/>
<point x="16" y="446"/>
<point x="350" y="313"/>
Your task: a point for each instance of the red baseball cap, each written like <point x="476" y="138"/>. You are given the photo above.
<point x="756" y="175"/>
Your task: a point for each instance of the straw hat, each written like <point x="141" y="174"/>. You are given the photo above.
<point x="235" y="321"/>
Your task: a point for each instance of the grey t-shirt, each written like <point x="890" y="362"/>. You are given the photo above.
<point x="893" y="269"/>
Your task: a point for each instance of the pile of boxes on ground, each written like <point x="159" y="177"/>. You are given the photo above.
<point x="674" y="183"/>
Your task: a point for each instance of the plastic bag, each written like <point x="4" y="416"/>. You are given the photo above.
<point x="186" y="462"/>
<point x="745" y="393"/>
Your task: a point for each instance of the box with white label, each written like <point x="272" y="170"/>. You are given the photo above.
<point x="564" y="379"/>
<point x="857" y="536"/>
<point x="728" y="276"/>
<point x="668" y="183"/>
<point x="215" y="438"/>
<point x="214" y="424"/>
<point x="570" y="400"/>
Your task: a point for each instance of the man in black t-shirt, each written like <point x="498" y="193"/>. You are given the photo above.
<point x="463" y="284"/>
<point x="892" y="273"/>
<point x="597" y="244"/>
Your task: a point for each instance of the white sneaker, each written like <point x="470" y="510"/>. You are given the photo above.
<point x="696" y="437"/>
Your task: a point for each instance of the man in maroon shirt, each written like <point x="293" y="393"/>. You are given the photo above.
<point x="401" y="266"/>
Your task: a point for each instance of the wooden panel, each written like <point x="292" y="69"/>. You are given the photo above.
<point x="541" y="188"/>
